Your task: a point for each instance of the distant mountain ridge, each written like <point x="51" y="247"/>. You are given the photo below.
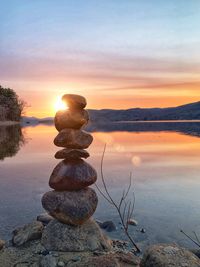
<point x="185" y="112"/>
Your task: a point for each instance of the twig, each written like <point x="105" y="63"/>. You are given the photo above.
<point x="124" y="214"/>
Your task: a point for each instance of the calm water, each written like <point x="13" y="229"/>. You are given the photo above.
<point x="166" y="179"/>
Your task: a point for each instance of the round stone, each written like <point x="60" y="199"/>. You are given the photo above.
<point x="72" y="138"/>
<point x="72" y="175"/>
<point x="71" y="119"/>
<point x="74" y="101"/>
<point x="68" y="153"/>
<point x="73" y="207"/>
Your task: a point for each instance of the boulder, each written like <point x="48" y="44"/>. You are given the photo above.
<point x="71" y="138"/>
<point x="28" y="232"/>
<point x="73" y="207"/>
<point x="86" y="237"/>
<point x="168" y="255"/>
<point x="68" y="153"/>
<point x="70" y="119"/>
<point x="72" y="175"/>
<point x="74" y="101"/>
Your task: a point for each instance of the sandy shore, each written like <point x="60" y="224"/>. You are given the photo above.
<point x="7" y="123"/>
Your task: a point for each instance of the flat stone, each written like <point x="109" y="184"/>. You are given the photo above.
<point x="72" y="175"/>
<point x="44" y="218"/>
<point x="74" y="101"/>
<point x="28" y="232"/>
<point x="86" y="237"/>
<point x="169" y="255"/>
<point x="73" y="207"/>
<point x="71" y="138"/>
<point x="68" y="153"/>
<point x="70" y="119"/>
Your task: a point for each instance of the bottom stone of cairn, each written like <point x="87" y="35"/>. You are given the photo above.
<point x="86" y="237"/>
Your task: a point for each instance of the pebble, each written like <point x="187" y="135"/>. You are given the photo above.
<point x="132" y="222"/>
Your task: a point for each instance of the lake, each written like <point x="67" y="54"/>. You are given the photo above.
<point x="165" y="164"/>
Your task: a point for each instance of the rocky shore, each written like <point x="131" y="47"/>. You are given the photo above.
<point x="35" y="245"/>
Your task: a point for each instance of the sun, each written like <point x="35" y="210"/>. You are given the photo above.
<point x="59" y="104"/>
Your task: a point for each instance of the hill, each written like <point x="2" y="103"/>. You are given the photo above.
<point x="184" y="112"/>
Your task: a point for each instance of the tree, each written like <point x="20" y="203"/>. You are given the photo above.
<point x="12" y="103"/>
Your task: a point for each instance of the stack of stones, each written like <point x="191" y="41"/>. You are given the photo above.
<point x="72" y="202"/>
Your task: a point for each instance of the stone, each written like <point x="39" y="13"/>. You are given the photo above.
<point x="73" y="207"/>
<point x="74" y="101"/>
<point x="128" y="258"/>
<point x="107" y="260"/>
<point x="71" y="119"/>
<point x="168" y="255"/>
<point x="48" y="261"/>
<point x="2" y="244"/>
<point x="109" y="226"/>
<point x="68" y="153"/>
<point x="44" y="218"/>
<point x="28" y="232"/>
<point x="86" y="237"/>
<point x="132" y="222"/>
<point x="71" y="138"/>
<point x="72" y="175"/>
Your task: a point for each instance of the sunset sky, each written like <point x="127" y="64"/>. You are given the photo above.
<point x="118" y="54"/>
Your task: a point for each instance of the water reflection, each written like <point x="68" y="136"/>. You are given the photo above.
<point x="11" y="140"/>
<point x="165" y="167"/>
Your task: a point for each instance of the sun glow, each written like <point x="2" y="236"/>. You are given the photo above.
<point x="59" y="104"/>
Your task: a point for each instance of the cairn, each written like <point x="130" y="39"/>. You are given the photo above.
<point x="72" y="202"/>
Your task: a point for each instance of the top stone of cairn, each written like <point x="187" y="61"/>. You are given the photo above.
<point x="74" y="101"/>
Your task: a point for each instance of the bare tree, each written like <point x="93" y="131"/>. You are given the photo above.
<point x="125" y="207"/>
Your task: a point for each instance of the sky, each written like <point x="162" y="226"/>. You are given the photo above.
<point x="118" y="54"/>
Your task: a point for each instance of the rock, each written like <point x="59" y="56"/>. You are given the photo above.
<point x="48" y="261"/>
<point x="44" y="218"/>
<point x="74" y="101"/>
<point x="72" y="175"/>
<point x="61" y="264"/>
<point x="128" y="258"/>
<point x="68" y="153"/>
<point x="72" y="138"/>
<point x="168" y="255"/>
<point x="108" y="260"/>
<point x="71" y="207"/>
<point x="86" y="237"/>
<point x="2" y="244"/>
<point x="28" y="232"/>
<point x="196" y="252"/>
<point x="132" y="222"/>
<point x="70" y="119"/>
<point x="108" y="226"/>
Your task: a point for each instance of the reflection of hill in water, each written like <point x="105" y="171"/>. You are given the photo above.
<point x="185" y="127"/>
<point x="11" y="139"/>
